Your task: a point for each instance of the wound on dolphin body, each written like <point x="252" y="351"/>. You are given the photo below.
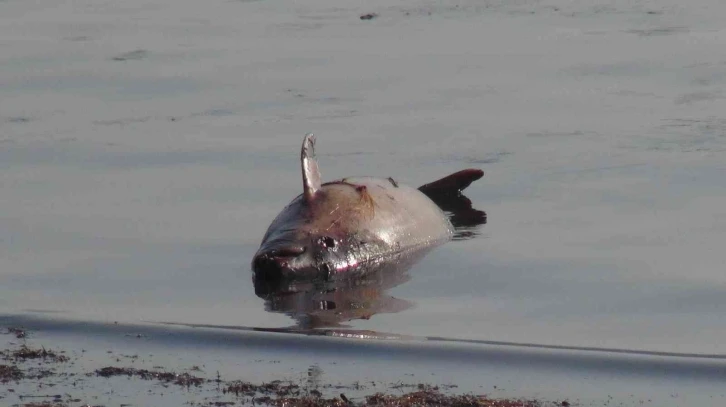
<point x="367" y="199"/>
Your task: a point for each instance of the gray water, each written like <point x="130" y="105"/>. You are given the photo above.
<point x="145" y="147"/>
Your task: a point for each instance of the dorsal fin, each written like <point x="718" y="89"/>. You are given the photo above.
<point x="310" y="171"/>
<point x="452" y="184"/>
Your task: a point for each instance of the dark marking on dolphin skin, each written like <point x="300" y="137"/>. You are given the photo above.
<point x="348" y="227"/>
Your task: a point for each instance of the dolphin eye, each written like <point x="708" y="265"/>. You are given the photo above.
<point x="327" y="242"/>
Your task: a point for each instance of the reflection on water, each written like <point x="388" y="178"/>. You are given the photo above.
<point x="463" y="216"/>
<point x="329" y="304"/>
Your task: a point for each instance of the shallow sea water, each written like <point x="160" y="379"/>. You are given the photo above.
<point x="145" y="147"/>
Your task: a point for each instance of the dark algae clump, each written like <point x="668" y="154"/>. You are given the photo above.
<point x="183" y="379"/>
<point x="45" y="404"/>
<point x="277" y="387"/>
<point x="26" y="352"/>
<point x="10" y="373"/>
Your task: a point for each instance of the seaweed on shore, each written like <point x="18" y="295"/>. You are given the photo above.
<point x="433" y="397"/>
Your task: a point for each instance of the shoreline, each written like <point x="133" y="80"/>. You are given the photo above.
<point x="36" y="376"/>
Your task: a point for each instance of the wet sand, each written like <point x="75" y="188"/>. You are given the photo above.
<point x="151" y="364"/>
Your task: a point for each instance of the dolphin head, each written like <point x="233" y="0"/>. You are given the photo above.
<point x="310" y="238"/>
<point x="294" y="248"/>
<point x="317" y="239"/>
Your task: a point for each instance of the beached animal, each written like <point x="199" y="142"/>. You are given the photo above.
<point x="344" y="227"/>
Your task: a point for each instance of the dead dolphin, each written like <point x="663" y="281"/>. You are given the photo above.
<point x="342" y="227"/>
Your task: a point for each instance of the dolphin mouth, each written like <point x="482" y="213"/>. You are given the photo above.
<point x="281" y="263"/>
<point x="287" y="251"/>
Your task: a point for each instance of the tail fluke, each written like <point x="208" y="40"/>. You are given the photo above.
<point x="451" y="184"/>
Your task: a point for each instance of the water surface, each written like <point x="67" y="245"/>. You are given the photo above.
<point x="145" y="147"/>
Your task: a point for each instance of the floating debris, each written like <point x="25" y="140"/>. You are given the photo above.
<point x="18" y="332"/>
<point x="19" y="119"/>
<point x="131" y="55"/>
